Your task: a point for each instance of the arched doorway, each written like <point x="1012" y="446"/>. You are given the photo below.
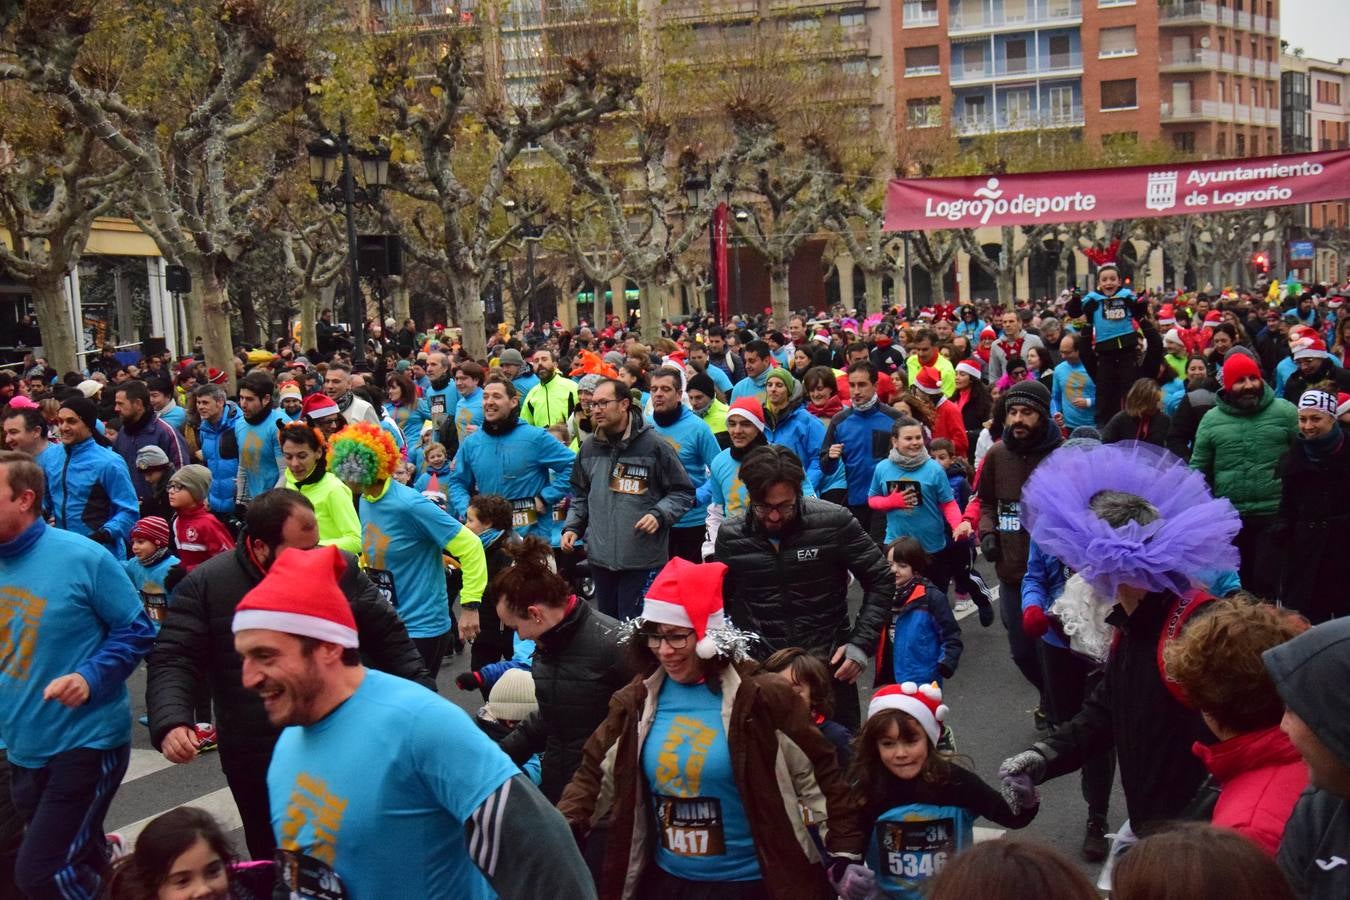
<point x="983" y="285"/>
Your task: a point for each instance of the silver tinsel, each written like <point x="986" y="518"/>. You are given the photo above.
<point x="732" y="643"/>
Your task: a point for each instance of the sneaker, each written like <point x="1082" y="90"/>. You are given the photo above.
<point x="206" y="737"/>
<point x="117" y="846"/>
<point x="1095" y="844"/>
<point x="986" y="612"/>
<point x="963" y="605"/>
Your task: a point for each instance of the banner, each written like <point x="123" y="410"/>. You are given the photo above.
<point x="1135" y="192"/>
<point x="719" y="227"/>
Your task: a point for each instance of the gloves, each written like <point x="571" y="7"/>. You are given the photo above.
<point x="856" y="883"/>
<point x="1028" y="762"/>
<point x="102" y="536"/>
<point x="175" y="574"/>
<point x="945" y="670"/>
<point x="989" y="547"/>
<point x="1019" y="793"/>
<point x="1034" y="622"/>
<point x="468" y="681"/>
<point x="894" y="500"/>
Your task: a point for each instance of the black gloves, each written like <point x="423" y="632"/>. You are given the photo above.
<point x="468" y="681"/>
<point x="989" y="547"/>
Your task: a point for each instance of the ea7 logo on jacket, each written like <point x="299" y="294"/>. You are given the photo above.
<point x="808" y="554"/>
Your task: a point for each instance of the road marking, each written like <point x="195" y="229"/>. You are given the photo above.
<point x="220" y="804"/>
<point x="143" y="763"/>
<point x="988" y="834"/>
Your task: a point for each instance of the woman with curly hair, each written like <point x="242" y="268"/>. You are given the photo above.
<point x="306" y="455"/>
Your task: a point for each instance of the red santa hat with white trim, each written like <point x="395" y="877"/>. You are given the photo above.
<point x="971" y="367"/>
<point x="921" y="701"/>
<point x="750" y="409"/>
<point x="320" y="611"/>
<point x="689" y="595"/>
<point x="929" y="380"/>
<point x="1310" y="347"/>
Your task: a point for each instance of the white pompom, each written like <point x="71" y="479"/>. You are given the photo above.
<point x="706" y="648"/>
<point x="909" y="687"/>
<point x="941" y="713"/>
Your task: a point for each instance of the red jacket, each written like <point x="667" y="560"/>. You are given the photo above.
<point x="1261" y="776"/>
<point x="885" y="387"/>
<point x="951" y="426"/>
<point x="199" y="536"/>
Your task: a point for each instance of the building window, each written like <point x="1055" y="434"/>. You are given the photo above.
<point x="1015" y="54"/>
<point x="920" y="12"/>
<point x="925" y="112"/>
<point x="854" y="68"/>
<point x="1221" y="143"/>
<point x="1240" y="144"/>
<point x="922" y="61"/>
<point x="1061" y="52"/>
<point x="1117" y="42"/>
<point x="1328" y="92"/>
<point x="1102" y="4"/>
<point x="1184" y="141"/>
<point x="812" y="24"/>
<point x="1119" y="94"/>
<point x="852" y="21"/>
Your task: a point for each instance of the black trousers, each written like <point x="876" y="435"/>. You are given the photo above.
<point x="872" y="522"/>
<point x="846" y="700"/>
<point x="11" y="832"/>
<point x="246" y="774"/>
<point x="1261" y="560"/>
<point x="658" y="884"/>
<point x="493" y="642"/>
<point x="432" y="650"/>
<point x="1068" y="681"/>
<point x="1117" y="369"/>
<point x="955" y="563"/>
<point x="687" y="543"/>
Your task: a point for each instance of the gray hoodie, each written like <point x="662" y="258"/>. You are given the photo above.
<point x="1311" y="673"/>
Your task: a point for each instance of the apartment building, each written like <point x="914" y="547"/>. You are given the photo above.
<point x="1315" y="115"/>
<point x="1203" y="76"/>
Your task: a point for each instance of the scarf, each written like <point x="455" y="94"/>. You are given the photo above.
<point x="315" y="474"/>
<point x="828" y="410"/>
<point x="1319" y="449"/>
<point x="864" y="407"/>
<point x="154" y="558"/>
<point x="24" y="541"/>
<point x="344" y="401"/>
<point x="909" y="463"/>
<point x="438" y="384"/>
<point x="667" y="419"/>
<point x="738" y="453"/>
<point x="489" y="536"/>
<point x="505" y="426"/>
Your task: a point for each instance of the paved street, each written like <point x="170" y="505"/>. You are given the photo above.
<point x="990" y="719"/>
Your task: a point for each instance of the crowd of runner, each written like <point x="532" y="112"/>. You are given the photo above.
<point x="647" y="551"/>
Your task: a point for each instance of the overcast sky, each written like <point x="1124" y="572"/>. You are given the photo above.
<point x="1320" y="27"/>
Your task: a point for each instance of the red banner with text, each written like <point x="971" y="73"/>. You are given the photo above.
<point x="1044" y="198"/>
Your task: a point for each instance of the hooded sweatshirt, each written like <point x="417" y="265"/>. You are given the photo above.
<point x="1310" y="672"/>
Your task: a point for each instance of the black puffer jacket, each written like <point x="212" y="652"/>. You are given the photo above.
<point x="196" y="644"/>
<point x="796" y="595"/>
<point x="577" y="668"/>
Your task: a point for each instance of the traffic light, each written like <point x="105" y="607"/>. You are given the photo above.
<point x="1261" y="263"/>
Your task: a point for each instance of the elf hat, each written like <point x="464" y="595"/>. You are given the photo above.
<point x="434" y="493"/>
<point x="320" y="611"/>
<point x="1313" y="398"/>
<point x="929" y="380"/>
<point x="319" y="406"/>
<point x="153" y="529"/>
<point x="923" y="702"/>
<point x="971" y="367"/>
<point x="750" y="409"/>
<point x="1310" y="348"/>
<point x="689" y="595"/>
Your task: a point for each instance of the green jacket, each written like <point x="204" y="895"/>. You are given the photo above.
<point x="333" y="507"/>
<point x="549" y="403"/>
<point x="715" y="416"/>
<point x="1239" y="451"/>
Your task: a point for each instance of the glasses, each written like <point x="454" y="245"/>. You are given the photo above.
<point x="676" y="641"/>
<point x="601" y="404"/>
<point x="175" y="486"/>
<point x="783" y="509"/>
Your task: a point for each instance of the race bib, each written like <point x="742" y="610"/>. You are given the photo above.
<point x="306" y="877"/>
<point x="1009" y="515"/>
<point x="691" y="826"/>
<point x="155" y="601"/>
<point x="1115" y="310"/>
<point x="912" y="491"/>
<point x="523" y="513"/>
<point x="916" y="850"/>
<point x="629" y="478"/>
<point x="438" y="409"/>
<point x="560" y="512"/>
<point x="383" y="580"/>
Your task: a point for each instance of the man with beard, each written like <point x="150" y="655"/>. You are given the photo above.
<point x="722" y="357"/>
<point x="628" y="490"/>
<point x="194" y="653"/>
<point x="1314" y="368"/>
<point x="1238" y="448"/>
<point x="260" y="460"/>
<point x="142" y="427"/>
<point x="1028" y="438"/>
<point x="438" y="400"/>
<point x="693" y="442"/>
<point x="378" y="787"/>
<point x="702" y="394"/>
<point x="337" y="384"/>
<point x="1014" y="342"/>
<point x="554" y="398"/>
<point x="789" y="559"/>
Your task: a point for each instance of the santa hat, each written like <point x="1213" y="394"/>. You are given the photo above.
<point x="929" y="380"/>
<point x="926" y="312"/>
<point x="971" y="367"/>
<point x="750" y="409"/>
<point x="922" y="702"/>
<point x="1173" y="336"/>
<point x="1212" y="319"/>
<point x="319" y="406"/>
<point x="1320" y="400"/>
<point x="320" y="611"/>
<point x="1342" y="404"/>
<point x="215" y="376"/>
<point x="1167" y="315"/>
<point x="1310" y="347"/>
<point x="1336" y="301"/>
<point x="989" y="333"/>
<point x="689" y="595"/>
<point x="153" y="529"/>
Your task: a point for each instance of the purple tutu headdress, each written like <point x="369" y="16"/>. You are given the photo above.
<point x="1192" y="536"/>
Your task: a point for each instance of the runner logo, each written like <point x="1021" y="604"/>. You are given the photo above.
<point x="1162" y="191"/>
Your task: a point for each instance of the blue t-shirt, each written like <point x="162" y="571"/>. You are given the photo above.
<point x="260" y="460"/>
<point x="1072" y="382"/>
<point x="702" y="833"/>
<point x="724" y="485"/>
<point x="720" y="379"/>
<point x="927" y="488"/>
<point x="693" y="442"/>
<point x="402" y="536"/>
<point x="469" y="414"/>
<point x="912" y="843"/>
<point x="62" y="599"/>
<point x="149" y="584"/>
<point x="380" y="790"/>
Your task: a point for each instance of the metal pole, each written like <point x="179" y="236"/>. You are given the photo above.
<point x="736" y="247"/>
<point x="909" y="280"/>
<point x="354" y="304"/>
<point x="529" y="278"/>
<point x="712" y="268"/>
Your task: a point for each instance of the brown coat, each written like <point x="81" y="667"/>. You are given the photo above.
<point x="1002" y="476"/>
<point x="782" y="766"/>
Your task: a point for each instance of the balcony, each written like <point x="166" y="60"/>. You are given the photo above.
<point x="1057" y="14"/>
<point x="1016" y="70"/>
<point x="917" y="15"/>
<point x="1190" y="12"/>
<point x="971" y="125"/>
<point x="703" y="11"/>
<point x="1194" y="110"/>
<point x="1242" y="114"/>
<point x="1177" y="61"/>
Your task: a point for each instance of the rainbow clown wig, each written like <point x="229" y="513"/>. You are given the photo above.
<point x="363" y="454"/>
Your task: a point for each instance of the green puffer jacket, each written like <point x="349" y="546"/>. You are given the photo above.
<point x="1239" y="451"/>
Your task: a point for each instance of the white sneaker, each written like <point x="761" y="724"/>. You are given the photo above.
<point x="963" y="606"/>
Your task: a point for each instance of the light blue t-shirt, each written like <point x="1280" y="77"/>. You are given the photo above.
<point x="149" y="584"/>
<point x="469" y="414"/>
<point x="402" y="536"/>
<point x="927" y="488"/>
<point x="720" y="379"/>
<point x="1072" y="382"/>
<point x="260" y="460"/>
<point x="380" y="790"/>
<point x="911" y="844"/>
<point x="693" y="442"/>
<point x="702" y="833"/>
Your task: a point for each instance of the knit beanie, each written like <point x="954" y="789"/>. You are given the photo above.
<point x="1084" y="436"/>
<point x="784" y="376"/>
<point x="750" y="409"/>
<point x="1031" y="394"/>
<point x="703" y="384"/>
<point x="1238" y="366"/>
<point x="194" y="479"/>
<point x="89" y="388"/>
<point x="153" y="529"/>
<point x="587" y="384"/>
<point x="151" y="457"/>
<point x="87" y="412"/>
<point x="512" y="698"/>
<point x="922" y="702"/>
<point x="320" y="611"/>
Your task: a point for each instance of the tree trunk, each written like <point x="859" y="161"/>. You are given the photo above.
<point x="1007" y="285"/>
<point x="872" y="290"/>
<point x="398" y="293"/>
<point x="214" y="290"/>
<point x="469" y="313"/>
<point x="248" y="316"/>
<point x="309" y="314"/>
<point x="779" y="298"/>
<point x="58" y="340"/>
<point x="649" y="308"/>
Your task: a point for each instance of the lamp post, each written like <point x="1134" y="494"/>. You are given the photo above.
<point x="696" y="188"/>
<point x="324" y="154"/>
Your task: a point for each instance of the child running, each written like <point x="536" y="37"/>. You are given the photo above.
<point x="922" y="640"/>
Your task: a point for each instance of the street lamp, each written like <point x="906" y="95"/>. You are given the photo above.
<point x="696" y="187"/>
<point x="335" y="183"/>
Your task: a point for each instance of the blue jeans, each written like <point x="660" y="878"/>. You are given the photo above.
<point x="64" y="855"/>
<point x="619" y="593"/>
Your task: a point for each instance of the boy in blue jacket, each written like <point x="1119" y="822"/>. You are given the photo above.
<point x="922" y="643"/>
<point x="149" y="566"/>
